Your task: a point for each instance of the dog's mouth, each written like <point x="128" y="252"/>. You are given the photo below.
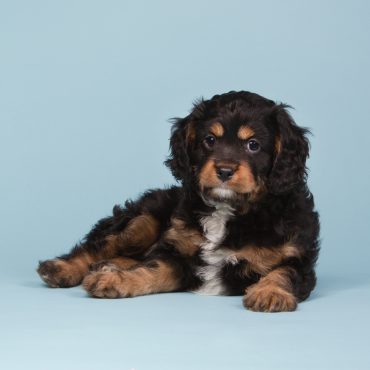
<point x="219" y="194"/>
<point x="227" y="195"/>
<point x="222" y="192"/>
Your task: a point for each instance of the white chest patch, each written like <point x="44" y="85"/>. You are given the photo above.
<point x="214" y="228"/>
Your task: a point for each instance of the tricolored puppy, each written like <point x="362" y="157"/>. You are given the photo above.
<point x="241" y="222"/>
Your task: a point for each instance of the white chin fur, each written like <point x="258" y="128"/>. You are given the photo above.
<point x="223" y="193"/>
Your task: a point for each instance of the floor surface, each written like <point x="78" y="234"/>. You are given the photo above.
<point x="51" y="329"/>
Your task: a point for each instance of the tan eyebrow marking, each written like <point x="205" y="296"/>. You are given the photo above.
<point x="245" y="132"/>
<point x="217" y="129"/>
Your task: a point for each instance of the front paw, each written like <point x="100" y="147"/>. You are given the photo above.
<point x="105" y="284"/>
<point x="269" y="298"/>
<point x="58" y="273"/>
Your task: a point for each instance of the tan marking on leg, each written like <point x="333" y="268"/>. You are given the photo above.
<point x="130" y="283"/>
<point x="138" y="236"/>
<point x="186" y="240"/>
<point x="245" y="132"/>
<point x="124" y="262"/>
<point x="273" y="293"/>
<point x="217" y="129"/>
<point x="65" y="273"/>
<point x="262" y="259"/>
<point x="118" y="263"/>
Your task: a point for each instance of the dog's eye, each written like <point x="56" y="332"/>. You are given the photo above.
<point x="209" y="141"/>
<point x="253" y="146"/>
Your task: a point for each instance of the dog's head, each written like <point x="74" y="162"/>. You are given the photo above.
<point x="238" y="146"/>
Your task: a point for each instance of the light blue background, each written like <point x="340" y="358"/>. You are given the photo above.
<point x="86" y="89"/>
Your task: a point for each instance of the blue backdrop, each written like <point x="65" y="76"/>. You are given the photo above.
<point x="86" y="91"/>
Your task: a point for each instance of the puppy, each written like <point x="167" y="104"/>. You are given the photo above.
<point x="241" y="222"/>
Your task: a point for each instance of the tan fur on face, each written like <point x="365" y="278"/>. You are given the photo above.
<point x="243" y="180"/>
<point x="208" y="176"/>
<point x="130" y="283"/>
<point x="273" y="293"/>
<point x="261" y="259"/>
<point x="186" y="240"/>
<point x="139" y="235"/>
<point x="245" y="133"/>
<point x="217" y="129"/>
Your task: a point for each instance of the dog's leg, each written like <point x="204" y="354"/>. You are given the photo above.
<point x="273" y="292"/>
<point x="150" y="277"/>
<point x="118" y="263"/>
<point x="138" y="235"/>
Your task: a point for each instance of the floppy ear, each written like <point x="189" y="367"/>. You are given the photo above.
<point x="182" y="135"/>
<point x="291" y="147"/>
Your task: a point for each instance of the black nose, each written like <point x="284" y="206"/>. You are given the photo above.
<point x="225" y="173"/>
